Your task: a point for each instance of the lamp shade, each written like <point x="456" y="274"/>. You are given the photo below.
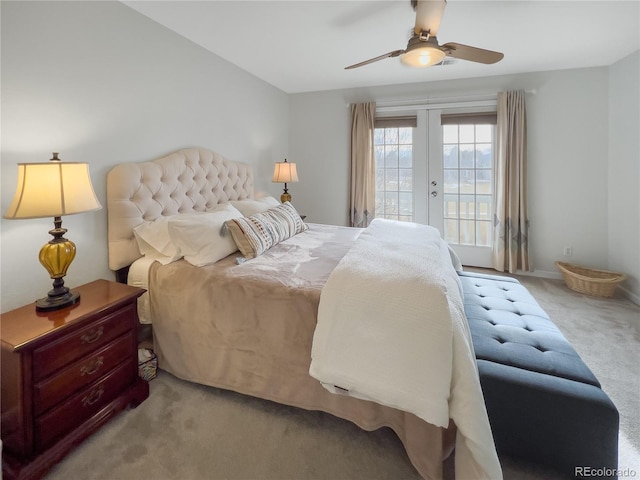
<point x="285" y="172"/>
<point x="52" y="189"/>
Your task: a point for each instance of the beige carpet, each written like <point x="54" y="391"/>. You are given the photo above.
<point x="191" y="432"/>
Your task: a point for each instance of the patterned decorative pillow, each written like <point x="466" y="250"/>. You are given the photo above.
<point x="256" y="234"/>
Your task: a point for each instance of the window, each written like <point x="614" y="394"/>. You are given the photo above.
<point x="393" y="147"/>
<point x="468" y="149"/>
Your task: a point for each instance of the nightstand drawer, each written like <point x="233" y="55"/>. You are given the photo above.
<point x="49" y="392"/>
<point x="73" y="412"/>
<point x="57" y="354"/>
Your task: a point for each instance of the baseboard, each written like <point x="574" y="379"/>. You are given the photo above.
<point x="541" y="274"/>
<point x="632" y="297"/>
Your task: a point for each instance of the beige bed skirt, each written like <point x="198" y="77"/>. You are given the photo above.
<point x="249" y="328"/>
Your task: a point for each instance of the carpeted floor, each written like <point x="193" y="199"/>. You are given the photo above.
<point x="191" y="432"/>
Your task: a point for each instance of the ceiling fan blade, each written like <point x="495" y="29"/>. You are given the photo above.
<point x="473" y="54"/>
<point x="428" y="16"/>
<point x="395" y="53"/>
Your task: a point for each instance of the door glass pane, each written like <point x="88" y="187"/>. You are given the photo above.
<point x="484" y="133"/>
<point x="405" y="206"/>
<point x="451" y="231"/>
<point x="484" y="155"/>
<point x="467" y="154"/>
<point x="450" y="156"/>
<point x="391" y="203"/>
<point x="405" y="136"/>
<point x="405" y="156"/>
<point x="379" y="181"/>
<point x="450" y="181"/>
<point x="450" y="206"/>
<point x="391" y="156"/>
<point x="405" y="179"/>
<point x="450" y="134"/>
<point x="483" y="207"/>
<point x="467" y="232"/>
<point x="379" y="201"/>
<point x="483" y="234"/>
<point x="484" y="184"/>
<point x="467" y="206"/>
<point x="394" y="173"/>
<point x="378" y="153"/>
<point x="467" y="181"/>
<point x="467" y="133"/>
<point x="391" y="180"/>
<point x="391" y="136"/>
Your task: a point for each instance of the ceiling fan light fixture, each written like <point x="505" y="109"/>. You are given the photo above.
<point x="423" y="49"/>
<point x="422" y="56"/>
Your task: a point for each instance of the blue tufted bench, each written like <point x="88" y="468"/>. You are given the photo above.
<point x="543" y="402"/>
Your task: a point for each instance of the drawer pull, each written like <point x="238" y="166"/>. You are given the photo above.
<point x="92" y="336"/>
<point x="92" y="367"/>
<point x="93" y="397"/>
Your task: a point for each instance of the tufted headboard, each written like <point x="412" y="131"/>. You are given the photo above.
<point x="189" y="180"/>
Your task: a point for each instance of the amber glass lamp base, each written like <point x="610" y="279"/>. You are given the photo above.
<point x="285" y="197"/>
<point x="56" y="256"/>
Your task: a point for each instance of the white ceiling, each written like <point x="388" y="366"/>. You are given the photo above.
<point x="304" y="45"/>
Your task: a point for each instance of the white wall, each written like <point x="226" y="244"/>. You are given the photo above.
<point x="624" y="170"/>
<point x="567" y="147"/>
<point x="319" y="142"/>
<point x="98" y="82"/>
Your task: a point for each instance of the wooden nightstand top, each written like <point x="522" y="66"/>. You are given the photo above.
<point x="24" y="325"/>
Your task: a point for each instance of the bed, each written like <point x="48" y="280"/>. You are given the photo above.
<point x="249" y="325"/>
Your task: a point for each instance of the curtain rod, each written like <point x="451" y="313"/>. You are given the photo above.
<point x="452" y="101"/>
<point x="445" y="99"/>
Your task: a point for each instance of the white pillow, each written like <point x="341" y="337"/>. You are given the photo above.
<point x="199" y="238"/>
<point x="154" y="241"/>
<point x="270" y="201"/>
<point x="251" y="207"/>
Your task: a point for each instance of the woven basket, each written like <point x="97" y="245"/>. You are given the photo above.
<point x="147" y="364"/>
<point x="599" y="283"/>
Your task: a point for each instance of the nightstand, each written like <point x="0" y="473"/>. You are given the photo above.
<point x="65" y="373"/>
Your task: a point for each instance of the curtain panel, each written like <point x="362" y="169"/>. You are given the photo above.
<point x="511" y="221"/>
<point x="363" y="170"/>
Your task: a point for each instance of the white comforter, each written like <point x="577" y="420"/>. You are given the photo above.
<point x="391" y="329"/>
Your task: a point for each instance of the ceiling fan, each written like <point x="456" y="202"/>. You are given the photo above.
<point x="423" y="49"/>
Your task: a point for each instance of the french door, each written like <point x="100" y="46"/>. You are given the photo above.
<point x="439" y="175"/>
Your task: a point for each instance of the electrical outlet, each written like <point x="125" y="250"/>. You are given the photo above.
<point x="568" y="251"/>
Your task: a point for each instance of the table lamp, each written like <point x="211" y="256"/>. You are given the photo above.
<point x="285" y="172"/>
<point x="53" y="189"/>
